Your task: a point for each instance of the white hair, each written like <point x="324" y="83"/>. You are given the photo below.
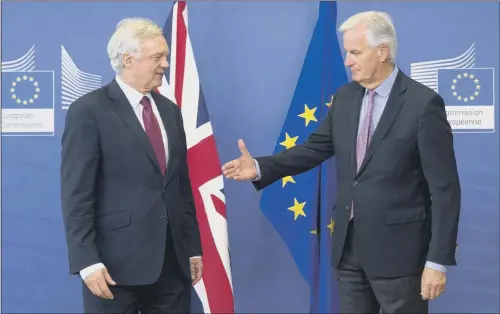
<point x="127" y="39"/>
<point x="380" y="29"/>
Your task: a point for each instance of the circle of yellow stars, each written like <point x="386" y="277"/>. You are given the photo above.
<point x="290" y="141"/>
<point x="464" y="76"/>
<point x="33" y="97"/>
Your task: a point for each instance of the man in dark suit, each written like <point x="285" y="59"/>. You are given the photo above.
<point x="127" y="203"/>
<point x="398" y="202"/>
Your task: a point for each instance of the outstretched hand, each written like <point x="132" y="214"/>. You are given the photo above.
<point x="241" y="169"/>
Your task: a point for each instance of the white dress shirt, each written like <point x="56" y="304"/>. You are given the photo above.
<point x="134" y="97"/>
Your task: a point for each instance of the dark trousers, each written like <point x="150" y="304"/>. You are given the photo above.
<point x="360" y="294"/>
<point x="171" y="293"/>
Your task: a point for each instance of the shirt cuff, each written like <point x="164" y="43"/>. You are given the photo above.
<point x="258" y="170"/>
<point x="435" y="266"/>
<point x="84" y="273"/>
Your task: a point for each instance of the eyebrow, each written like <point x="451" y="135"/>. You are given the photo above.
<point x="158" y="54"/>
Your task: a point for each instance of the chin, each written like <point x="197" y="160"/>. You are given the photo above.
<point x="156" y="85"/>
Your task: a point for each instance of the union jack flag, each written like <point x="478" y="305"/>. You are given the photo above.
<point x="181" y="84"/>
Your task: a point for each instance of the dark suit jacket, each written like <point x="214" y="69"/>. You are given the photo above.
<point x="407" y="192"/>
<point x="115" y="202"/>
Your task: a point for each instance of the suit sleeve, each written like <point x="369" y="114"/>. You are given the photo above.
<point x="298" y="159"/>
<point x="435" y="143"/>
<point x="191" y="228"/>
<point x="79" y="166"/>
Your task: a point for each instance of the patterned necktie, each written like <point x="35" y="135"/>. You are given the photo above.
<point x="154" y="133"/>
<point x="364" y="137"/>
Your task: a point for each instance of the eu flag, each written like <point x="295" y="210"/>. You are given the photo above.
<point x="467" y="87"/>
<point x="28" y="90"/>
<point x="301" y="207"/>
<point x="469" y="95"/>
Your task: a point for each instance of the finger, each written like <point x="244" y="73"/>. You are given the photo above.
<point x="198" y="276"/>
<point x="108" y="278"/>
<point x="195" y="281"/>
<point x="193" y="271"/>
<point x="429" y="289"/>
<point x="234" y="167"/>
<point x="433" y="293"/>
<point x="439" y="290"/>
<point x="236" y="175"/>
<point x="106" y="294"/>
<point x="228" y="165"/>
<point x="229" y="171"/>
<point x="424" y="292"/>
<point x="199" y="271"/>
<point x="243" y="148"/>
<point x="96" y="289"/>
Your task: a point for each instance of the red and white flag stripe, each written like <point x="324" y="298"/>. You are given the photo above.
<point x="183" y="87"/>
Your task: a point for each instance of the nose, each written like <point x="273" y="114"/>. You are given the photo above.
<point x="164" y="63"/>
<point x="348" y="60"/>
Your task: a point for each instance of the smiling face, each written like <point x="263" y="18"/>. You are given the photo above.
<point x="366" y="63"/>
<point x="146" y="71"/>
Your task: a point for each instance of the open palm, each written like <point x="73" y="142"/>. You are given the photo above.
<point x="240" y="169"/>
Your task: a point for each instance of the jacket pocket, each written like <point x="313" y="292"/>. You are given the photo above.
<point x="114" y="220"/>
<point x="405" y="215"/>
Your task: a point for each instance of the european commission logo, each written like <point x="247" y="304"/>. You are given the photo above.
<point x="468" y="92"/>
<point x="27" y="98"/>
<point x="74" y="82"/>
<point x="28" y="94"/>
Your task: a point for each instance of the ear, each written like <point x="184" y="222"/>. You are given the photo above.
<point x="126" y="60"/>
<point x="384" y="53"/>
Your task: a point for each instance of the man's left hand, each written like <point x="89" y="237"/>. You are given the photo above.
<point x="196" y="269"/>
<point x="433" y="283"/>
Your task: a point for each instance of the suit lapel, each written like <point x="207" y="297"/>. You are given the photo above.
<point x="391" y="110"/>
<point x="170" y="128"/>
<point x="124" y="110"/>
<point x="354" y="112"/>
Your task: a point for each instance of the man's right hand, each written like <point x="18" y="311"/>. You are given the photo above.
<point x="98" y="282"/>
<point x="243" y="168"/>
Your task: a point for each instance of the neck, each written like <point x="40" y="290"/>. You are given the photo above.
<point x="379" y="77"/>
<point x="129" y="80"/>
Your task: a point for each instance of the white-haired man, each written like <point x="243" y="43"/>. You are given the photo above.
<point x="398" y="191"/>
<point x="127" y="203"/>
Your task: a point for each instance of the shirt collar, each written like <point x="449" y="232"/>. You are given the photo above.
<point x="133" y="96"/>
<point x="385" y="87"/>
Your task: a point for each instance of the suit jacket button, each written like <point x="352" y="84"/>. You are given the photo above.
<point x="355" y="183"/>
<point x="347" y="207"/>
<point x="162" y="218"/>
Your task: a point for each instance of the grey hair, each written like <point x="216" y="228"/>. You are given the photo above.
<point x="380" y="29"/>
<point x="127" y="39"/>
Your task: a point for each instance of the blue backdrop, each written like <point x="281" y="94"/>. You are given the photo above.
<point x="249" y="57"/>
